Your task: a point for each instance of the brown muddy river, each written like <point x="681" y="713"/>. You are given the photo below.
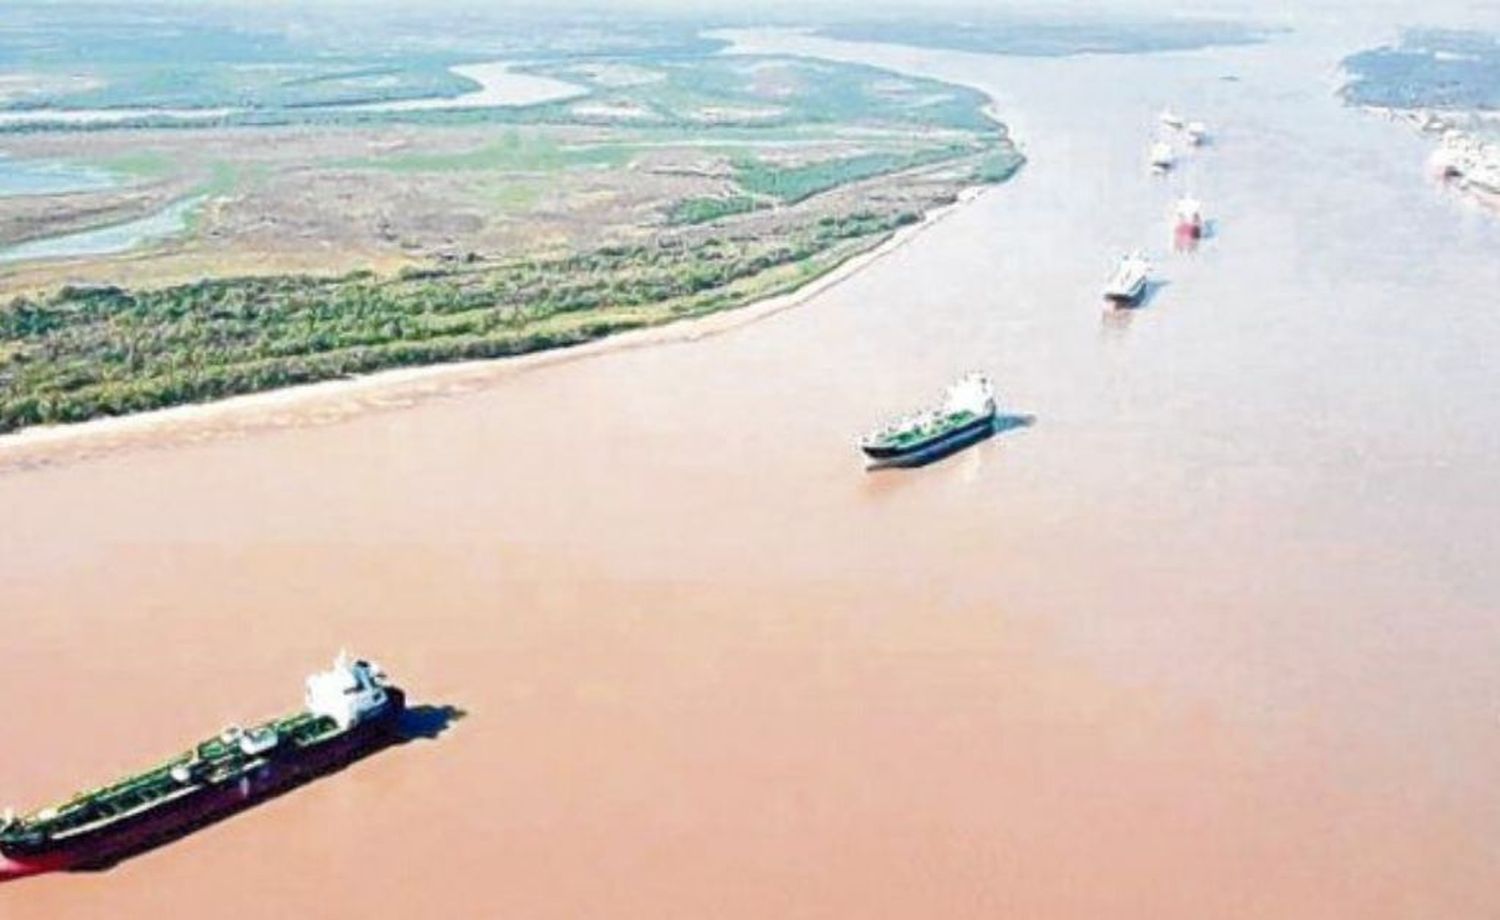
<point x="1216" y="637"/>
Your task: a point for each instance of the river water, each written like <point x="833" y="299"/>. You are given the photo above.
<point x="26" y="177"/>
<point x="1214" y="637"/>
<point x="111" y="238"/>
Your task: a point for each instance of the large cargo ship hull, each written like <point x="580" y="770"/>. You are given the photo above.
<point x="933" y="446"/>
<point x="206" y="804"/>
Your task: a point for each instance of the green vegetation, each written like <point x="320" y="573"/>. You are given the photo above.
<point x="999" y="165"/>
<point x="770" y="92"/>
<point x="1429" y="68"/>
<point x="87" y="352"/>
<point x="791" y="184"/>
<point x="223" y="178"/>
<point x="84" y="352"/>
<point x="705" y="210"/>
<point x="144" y="164"/>
<point x="214" y="56"/>
<point x="510" y="194"/>
<point x="513" y="153"/>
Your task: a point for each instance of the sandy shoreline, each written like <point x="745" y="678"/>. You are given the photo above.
<point x="336" y="400"/>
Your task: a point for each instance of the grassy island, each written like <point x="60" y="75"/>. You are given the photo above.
<point x="327" y="241"/>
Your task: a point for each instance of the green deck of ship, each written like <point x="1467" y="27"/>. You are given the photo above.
<point x="218" y="762"/>
<point x="926" y="429"/>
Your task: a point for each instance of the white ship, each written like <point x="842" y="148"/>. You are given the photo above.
<point x="1170" y="119"/>
<point x="1451" y="156"/>
<point x="1128" y="283"/>
<point x="1161" y="157"/>
<point x="1197" y="133"/>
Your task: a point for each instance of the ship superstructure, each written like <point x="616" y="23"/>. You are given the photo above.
<point x="1160" y="157"/>
<point x="1128" y="284"/>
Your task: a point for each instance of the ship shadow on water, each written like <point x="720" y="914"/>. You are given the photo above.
<point x="1002" y="424"/>
<point x="419" y="723"/>
<point x="426" y="723"/>
<point x="1120" y="312"/>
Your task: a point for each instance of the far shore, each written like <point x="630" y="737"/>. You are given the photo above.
<point x="499" y="87"/>
<point x="336" y="400"/>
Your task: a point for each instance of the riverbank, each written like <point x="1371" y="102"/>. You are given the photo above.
<point x="1467" y="152"/>
<point x="1443" y="84"/>
<point x="332" y="401"/>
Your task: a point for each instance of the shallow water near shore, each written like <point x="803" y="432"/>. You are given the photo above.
<point x="1214" y="637"/>
<point x="108" y="240"/>
<point x="27" y="177"/>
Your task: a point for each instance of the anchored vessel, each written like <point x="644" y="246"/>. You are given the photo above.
<point x="350" y="710"/>
<point x="1161" y="156"/>
<point x="1129" y="280"/>
<point x="1170" y="118"/>
<point x="1189" y="218"/>
<point x="1197" y="133"/>
<point x="1472" y="162"/>
<point x="966" y="412"/>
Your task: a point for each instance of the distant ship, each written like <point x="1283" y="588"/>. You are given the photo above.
<point x="1189" y="218"/>
<point x="350" y="710"/>
<point x="1197" y="133"/>
<point x="1170" y="119"/>
<point x="1448" y="160"/>
<point x="1128" y="283"/>
<point x="1161" y="158"/>
<point x="1473" y="163"/>
<point x="966" y="412"/>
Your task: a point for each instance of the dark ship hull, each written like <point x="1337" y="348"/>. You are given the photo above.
<point x="205" y="804"/>
<point x="936" y="444"/>
<point x="1127" y="297"/>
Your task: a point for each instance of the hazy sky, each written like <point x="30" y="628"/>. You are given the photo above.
<point x="1322" y="13"/>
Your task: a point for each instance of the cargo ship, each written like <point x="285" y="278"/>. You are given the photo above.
<point x="1471" y="162"/>
<point x="1189" y="219"/>
<point x="1129" y="281"/>
<point x="349" y="711"/>
<point x="966" y="413"/>
<point x="1160" y="157"/>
